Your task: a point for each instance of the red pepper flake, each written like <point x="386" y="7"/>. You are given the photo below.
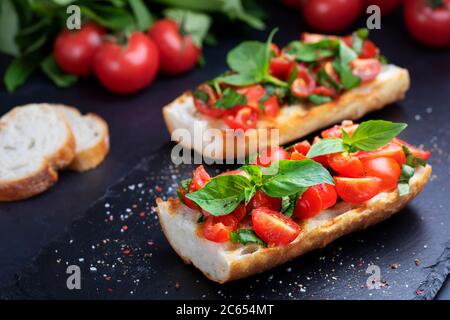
<point x="419" y="292"/>
<point x="126" y="251"/>
<point x="158" y="189"/>
<point x="142" y="214"/>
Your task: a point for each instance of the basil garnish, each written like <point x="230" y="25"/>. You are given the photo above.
<point x="245" y="236"/>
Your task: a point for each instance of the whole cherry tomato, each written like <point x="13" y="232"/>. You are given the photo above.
<point x="366" y="69"/>
<point x="387" y="169"/>
<point x="127" y="69"/>
<point x="260" y="199"/>
<point x="273" y="227"/>
<point x="177" y="50"/>
<point x="272" y="154"/>
<point x="386" y="6"/>
<point x="428" y="24"/>
<point x="356" y="190"/>
<point x="241" y="117"/>
<point x="346" y="164"/>
<point x="332" y="15"/>
<point x="74" y="50"/>
<point x="218" y="229"/>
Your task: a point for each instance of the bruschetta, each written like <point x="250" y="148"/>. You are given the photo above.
<point x="293" y="200"/>
<point x="308" y="85"/>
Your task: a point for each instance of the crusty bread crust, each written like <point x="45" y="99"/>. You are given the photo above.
<point x="45" y="176"/>
<point x="90" y="158"/>
<point x="226" y="262"/>
<point x="296" y="121"/>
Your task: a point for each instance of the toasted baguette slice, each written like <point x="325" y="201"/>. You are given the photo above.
<point x="35" y="141"/>
<point x="225" y="262"/>
<point x="91" y="135"/>
<point x="294" y="121"/>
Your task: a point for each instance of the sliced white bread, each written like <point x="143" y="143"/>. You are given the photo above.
<point x="91" y="135"/>
<point x="293" y="121"/>
<point x="35" y="141"/>
<point x="225" y="262"/>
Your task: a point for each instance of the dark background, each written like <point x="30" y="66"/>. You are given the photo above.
<point x="137" y="131"/>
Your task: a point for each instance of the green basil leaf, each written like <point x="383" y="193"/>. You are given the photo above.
<point x="373" y="134"/>
<point x="114" y="18"/>
<point x="412" y="160"/>
<point x="245" y="236"/>
<point x="311" y="52"/>
<point x="403" y="182"/>
<point x="326" y="146"/>
<point x="241" y="79"/>
<point x="248" y="58"/>
<point x="221" y="195"/>
<point x="289" y="203"/>
<point x="326" y="80"/>
<point x="403" y="189"/>
<point x="235" y="10"/>
<point x="142" y="15"/>
<point x="293" y="176"/>
<point x="51" y="70"/>
<point x="318" y="99"/>
<point x="202" y="95"/>
<point x="185" y="184"/>
<point x="254" y="172"/>
<point x="249" y="193"/>
<point x="18" y="72"/>
<point x="230" y="99"/>
<point x="342" y="66"/>
<point x="193" y="23"/>
<point x="9" y="24"/>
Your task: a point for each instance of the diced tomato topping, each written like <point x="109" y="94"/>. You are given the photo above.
<point x="272" y="154"/>
<point x="325" y="91"/>
<point x="424" y="155"/>
<point x="387" y="169"/>
<point x="369" y="50"/>
<point x="275" y="49"/>
<point x="188" y="202"/>
<point x="391" y="150"/>
<point x="273" y="227"/>
<point x="302" y="147"/>
<point x="309" y="204"/>
<point x="260" y="199"/>
<point x="218" y="229"/>
<point x="323" y="160"/>
<point x="199" y="178"/>
<point x="281" y="67"/>
<point x="297" y="156"/>
<point x="304" y="85"/>
<point x="356" y="190"/>
<point x="241" y="117"/>
<point x="253" y="94"/>
<point x="207" y="108"/>
<point x="328" y="194"/>
<point x="336" y="131"/>
<point x="240" y="212"/>
<point x="271" y="107"/>
<point x="346" y="165"/>
<point x="366" y="69"/>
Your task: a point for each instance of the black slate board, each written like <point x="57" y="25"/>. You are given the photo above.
<point x="421" y="231"/>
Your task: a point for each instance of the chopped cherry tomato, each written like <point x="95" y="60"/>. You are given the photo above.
<point x="297" y="156"/>
<point x="366" y="69"/>
<point x="281" y="67"/>
<point x="191" y="204"/>
<point x="355" y="190"/>
<point x="304" y="85"/>
<point x="207" y="107"/>
<point x="328" y="194"/>
<point x="241" y="117"/>
<point x="273" y="227"/>
<point x="323" y="160"/>
<point x="391" y="150"/>
<point x="275" y="49"/>
<point x="308" y="37"/>
<point x="387" y="169"/>
<point x="271" y="107"/>
<point x="260" y="199"/>
<point x="346" y="164"/>
<point x="424" y="155"/>
<point x="240" y="212"/>
<point x="199" y="178"/>
<point x="218" y="229"/>
<point x="272" y="154"/>
<point x="369" y="50"/>
<point x="336" y="131"/>
<point x="325" y="91"/>
<point x="253" y="95"/>
<point x="309" y="204"/>
<point x="302" y="147"/>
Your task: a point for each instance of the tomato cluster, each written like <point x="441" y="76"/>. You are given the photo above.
<point x="127" y="63"/>
<point x="427" y="21"/>
<point x="358" y="177"/>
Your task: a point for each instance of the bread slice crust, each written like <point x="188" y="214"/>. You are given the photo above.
<point x="297" y="121"/>
<point x="46" y="175"/>
<point x="226" y="262"/>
